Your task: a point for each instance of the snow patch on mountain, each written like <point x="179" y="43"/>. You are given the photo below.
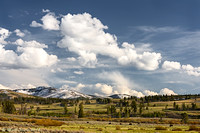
<point x="50" y="92"/>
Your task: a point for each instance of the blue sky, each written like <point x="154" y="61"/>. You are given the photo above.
<point x="137" y="47"/>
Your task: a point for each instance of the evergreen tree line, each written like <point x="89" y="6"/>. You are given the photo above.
<point x="184" y="107"/>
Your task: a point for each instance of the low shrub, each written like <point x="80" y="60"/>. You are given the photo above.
<point x="48" y="122"/>
<point x="99" y="129"/>
<point x="194" y="128"/>
<point x="81" y="127"/>
<point x="161" y="128"/>
<point x="31" y="120"/>
<point x="193" y="122"/>
<point x="176" y="129"/>
<point x="174" y="122"/>
<point x="118" y="128"/>
<point x="4" y="119"/>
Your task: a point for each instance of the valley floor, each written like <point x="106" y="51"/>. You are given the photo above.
<point x="95" y="126"/>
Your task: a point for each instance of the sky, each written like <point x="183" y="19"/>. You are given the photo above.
<point x="134" y="47"/>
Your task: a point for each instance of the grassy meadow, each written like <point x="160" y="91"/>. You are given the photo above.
<point x="51" y="118"/>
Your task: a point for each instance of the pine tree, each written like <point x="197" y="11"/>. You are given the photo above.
<point x="121" y="110"/>
<point x="38" y="109"/>
<point x="141" y="108"/>
<point x="119" y="115"/>
<point x="126" y="112"/>
<point x="184" y="117"/>
<point x="75" y="110"/>
<point x="134" y="106"/>
<point x="194" y="106"/>
<point x="174" y="105"/>
<point x="166" y="106"/>
<point x="8" y="107"/>
<point x="65" y="109"/>
<point x="31" y="107"/>
<point x="183" y="106"/>
<point x="80" y="112"/>
<point x="108" y="110"/>
<point x="177" y="107"/>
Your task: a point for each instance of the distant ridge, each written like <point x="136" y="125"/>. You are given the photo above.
<point x="50" y="92"/>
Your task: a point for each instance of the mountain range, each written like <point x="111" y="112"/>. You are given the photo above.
<point x="50" y="92"/>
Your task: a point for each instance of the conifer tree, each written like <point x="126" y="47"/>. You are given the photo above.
<point x="126" y="112"/>
<point x="80" y="112"/>
<point x="194" y="106"/>
<point x="75" y="111"/>
<point x="8" y="107"/>
<point x="65" y="109"/>
<point x="38" y="109"/>
<point x="174" y="105"/>
<point x="184" y="117"/>
<point x="183" y="106"/>
<point x="141" y="108"/>
<point x="134" y="106"/>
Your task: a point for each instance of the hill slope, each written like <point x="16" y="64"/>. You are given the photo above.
<point x="53" y="93"/>
<point x="12" y="94"/>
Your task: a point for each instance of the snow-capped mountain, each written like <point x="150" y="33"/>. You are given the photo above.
<point x="63" y="93"/>
<point x="53" y="93"/>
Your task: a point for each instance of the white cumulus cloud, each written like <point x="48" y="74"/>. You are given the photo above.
<point x="35" y="57"/>
<point x="49" y="22"/>
<point x="189" y="69"/>
<point x="79" y="72"/>
<point x="35" y="24"/>
<point x="45" y="10"/>
<point x="85" y="35"/>
<point x="104" y="88"/>
<point x="121" y="85"/>
<point x="72" y="59"/>
<point x="29" y="54"/>
<point x="166" y="91"/>
<point x="32" y="43"/>
<point x="171" y="65"/>
<point x="4" y="87"/>
<point x="150" y="93"/>
<point x="4" y="33"/>
<point x="22" y="86"/>
<point x="7" y="57"/>
<point x="19" y="33"/>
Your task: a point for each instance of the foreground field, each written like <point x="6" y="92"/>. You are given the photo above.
<point x="151" y="114"/>
<point x="94" y="126"/>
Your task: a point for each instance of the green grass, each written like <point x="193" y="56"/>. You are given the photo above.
<point x="104" y="127"/>
<point x="75" y="124"/>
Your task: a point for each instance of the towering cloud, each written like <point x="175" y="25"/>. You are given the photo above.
<point x="85" y="36"/>
<point x="121" y="85"/>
